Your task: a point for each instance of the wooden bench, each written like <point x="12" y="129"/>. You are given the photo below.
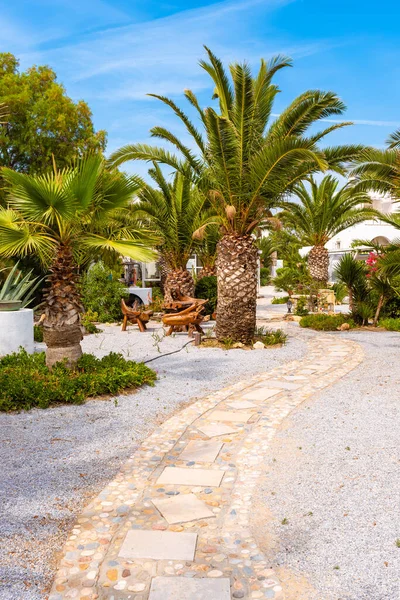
<point x="189" y="318"/>
<point x="134" y="316"/>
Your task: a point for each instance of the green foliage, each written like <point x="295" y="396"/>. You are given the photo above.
<point x="38" y="333"/>
<point x="249" y="159"/>
<point x="293" y="279"/>
<point x="88" y="320"/>
<point x="157" y="299"/>
<point x="323" y="211"/>
<point x="390" y="324"/>
<point x="41" y="120"/>
<point x="267" y="247"/>
<point x="26" y="382"/>
<point x="392" y="308"/>
<point x="280" y="300"/>
<point x="102" y="294"/>
<point x="341" y="292"/>
<point x="323" y="322"/>
<point x="301" y="307"/>
<point x="265" y="276"/>
<point x="83" y="207"/>
<point x="270" y="337"/>
<point x="18" y="287"/>
<point x="206" y="287"/>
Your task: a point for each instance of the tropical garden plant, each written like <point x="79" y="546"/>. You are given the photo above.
<point x="69" y="218"/>
<point x="175" y="211"/>
<point x="18" y="287"/>
<point x="246" y="161"/>
<point x="323" y="211"/>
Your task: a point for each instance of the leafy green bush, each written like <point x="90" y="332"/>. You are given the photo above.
<point x="341" y="292"/>
<point x="280" y="300"/>
<point x="157" y="299"/>
<point x="323" y="322"/>
<point x="38" y="333"/>
<point x="301" y="307"/>
<point x="265" y="276"/>
<point x="390" y="324"/>
<point x="206" y="287"/>
<point x="102" y="294"/>
<point x="270" y="337"/>
<point x="391" y="309"/>
<point x="89" y="319"/>
<point x="26" y="382"/>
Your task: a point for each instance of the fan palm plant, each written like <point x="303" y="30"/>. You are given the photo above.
<point x="246" y="162"/>
<point x="322" y="212"/>
<point x="174" y="209"/>
<point x="67" y="218"/>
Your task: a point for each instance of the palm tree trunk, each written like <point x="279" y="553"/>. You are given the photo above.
<point x="206" y="271"/>
<point x="62" y="330"/>
<point x="178" y="281"/>
<point x="378" y="309"/>
<point x="163" y="268"/>
<point x="237" y="261"/>
<point x="318" y="264"/>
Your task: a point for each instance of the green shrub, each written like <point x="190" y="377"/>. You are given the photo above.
<point x="390" y="324"/>
<point x="270" y="337"/>
<point x="89" y="319"/>
<point x="391" y="309"/>
<point x="341" y="292"/>
<point x="301" y="307"/>
<point x="280" y="300"/>
<point x="38" y="333"/>
<point x="102" y="294"/>
<point x="265" y="276"/>
<point x="26" y="382"/>
<point x="157" y="299"/>
<point x="323" y="322"/>
<point x="206" y="287"/>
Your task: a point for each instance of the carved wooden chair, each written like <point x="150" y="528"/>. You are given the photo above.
<point x="134" y="316"/>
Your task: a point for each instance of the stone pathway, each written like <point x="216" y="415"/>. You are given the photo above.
<point x="174" y="524"/>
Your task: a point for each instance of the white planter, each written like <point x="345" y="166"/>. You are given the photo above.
<point x="16" y="330"/>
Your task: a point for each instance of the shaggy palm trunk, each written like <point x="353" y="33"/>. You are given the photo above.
<point x="237" y="262"/>
<point x="207" y="271"/>
<point x="178" y="281"/>
<point x="318" y="264"/>
<point x="163" y="268"/>
<point x="378" y="309"/>
<point x="62" y="331"/>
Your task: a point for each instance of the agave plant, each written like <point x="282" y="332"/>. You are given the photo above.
<point x="18" y="288"/>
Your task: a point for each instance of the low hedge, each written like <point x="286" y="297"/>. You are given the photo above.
<point x="323" y="322"/>
<point x="390" y="324"/>
<point x="26" y="382"/>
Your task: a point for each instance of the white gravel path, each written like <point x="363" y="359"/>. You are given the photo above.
<point x="334" y="475"/>
<point x="54" y="461"/>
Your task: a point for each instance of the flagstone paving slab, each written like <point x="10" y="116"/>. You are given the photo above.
<point x="216" y="430"/>
<point x="261" y="394"/>
<point x="181" y="588"/>
<point x="158" y="545"/>
<point x="183" y="508"/>
<point x="230" y="415"/>
<point x="241" y="404"/>
<point x="201" y="451"/>
<point x="212" y="500"/>
<point x="181" y="476"/>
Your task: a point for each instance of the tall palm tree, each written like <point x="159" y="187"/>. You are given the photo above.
<point x="67" y="218"/>
<point x="246" y="161"/>
<point x="322" y="212"/>
<point x="174" y="209"/>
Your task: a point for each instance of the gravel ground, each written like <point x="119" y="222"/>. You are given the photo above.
<point x="54" y="461"/>
<point x="334" y="475"/>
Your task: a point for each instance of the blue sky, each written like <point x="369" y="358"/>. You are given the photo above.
<point x="111" y="53"/>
